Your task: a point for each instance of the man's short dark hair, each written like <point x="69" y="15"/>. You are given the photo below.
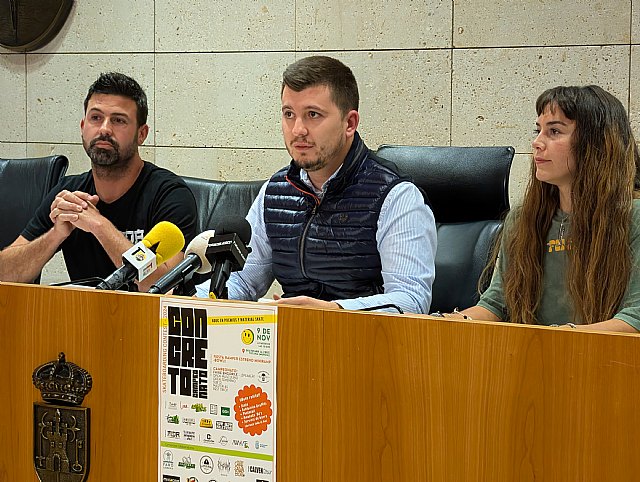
<point x="321" y="70"/>
<point x="115" y="83"/>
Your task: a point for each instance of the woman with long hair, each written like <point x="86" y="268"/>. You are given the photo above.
<point x="570" y="254"/>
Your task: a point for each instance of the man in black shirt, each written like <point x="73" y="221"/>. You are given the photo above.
<point x="96" y="216"/>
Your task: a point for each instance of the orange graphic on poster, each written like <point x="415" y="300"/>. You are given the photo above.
<point x="253" y="410"/>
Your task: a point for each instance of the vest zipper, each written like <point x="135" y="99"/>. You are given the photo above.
<point x="317" y="201"/>
<point x="303" y="238"/>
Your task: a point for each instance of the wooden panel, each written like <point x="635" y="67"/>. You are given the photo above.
<point x="377" y="407"/>
<point x="300" y="382"/>
<point x="410" y="399"/>
<point x="361" y="396"/>
<point x="112" y="335"/>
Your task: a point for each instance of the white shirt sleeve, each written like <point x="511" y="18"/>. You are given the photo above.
<point x="256" y="277"/>
<point x="406" y="240"/>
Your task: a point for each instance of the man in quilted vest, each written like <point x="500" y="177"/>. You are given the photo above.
<point x="338" y="227"/>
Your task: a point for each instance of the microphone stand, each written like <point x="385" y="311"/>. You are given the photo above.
<point x="219" y="279"/>
<point x="185" y="288"/>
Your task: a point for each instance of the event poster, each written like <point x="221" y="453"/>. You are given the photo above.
<point x="217" y="391"/>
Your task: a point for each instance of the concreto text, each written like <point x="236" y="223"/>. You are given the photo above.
<point x="187" y="351"/>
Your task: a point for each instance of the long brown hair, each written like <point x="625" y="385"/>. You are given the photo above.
<point x="599" y="260"/>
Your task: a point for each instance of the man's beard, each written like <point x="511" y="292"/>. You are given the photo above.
<point x="110" y="160"/>
<point x="325" y="155"/>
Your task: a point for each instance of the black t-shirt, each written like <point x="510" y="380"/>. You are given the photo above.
<point x="157" y="195"/>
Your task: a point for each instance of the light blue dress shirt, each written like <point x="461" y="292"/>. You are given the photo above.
<point x="406" y="241"/>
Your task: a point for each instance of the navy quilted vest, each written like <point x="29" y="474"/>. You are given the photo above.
<point x="328" y="250"/>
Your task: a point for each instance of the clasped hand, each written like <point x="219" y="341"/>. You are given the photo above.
<point x="71" y="210"/>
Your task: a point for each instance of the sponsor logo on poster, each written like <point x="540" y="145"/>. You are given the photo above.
<point x="173" y="419"/>
<point x="241" y="443"/>
<point x="206" y="464"/>
<point x="220" y="425"/>
<point x="238" y="468"/>
<point x="198" y="407"/>
<point x="207" y="438"/>
<point x="224" y="466"/>
<point x="254" y="469"/>
<point x="186" y="463"/>
<point x="167" y="460"/>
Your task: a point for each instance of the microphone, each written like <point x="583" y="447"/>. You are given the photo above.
<point x="195" y="260"/>
<point x="162" y="242"/>
<point x="227" y="252"/>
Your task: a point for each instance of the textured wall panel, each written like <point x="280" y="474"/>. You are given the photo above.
<point x="13" y="95"/>
<point x="501" y="23"/>
<point x="372" y="24"/>
<point x="224" y="25"/>
<point x="58" y="84"/>
<point x="219" y="100"/>
<point x="494" y="90"/>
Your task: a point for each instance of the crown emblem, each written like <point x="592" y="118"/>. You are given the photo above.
<point x="62" y="382"/>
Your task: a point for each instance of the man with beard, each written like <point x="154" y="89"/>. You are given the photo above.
<point x="96" y="216"/>
<point x="338" y="227"/>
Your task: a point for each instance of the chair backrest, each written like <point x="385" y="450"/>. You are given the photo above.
<point x="23" y="185"/>
<point x="468" y="192"/>
<point x="216" y="200"/>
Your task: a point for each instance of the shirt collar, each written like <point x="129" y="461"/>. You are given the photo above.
<point x="304" y="177"/>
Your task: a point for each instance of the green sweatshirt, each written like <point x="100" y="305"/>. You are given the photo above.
<point x="556" y="306"/>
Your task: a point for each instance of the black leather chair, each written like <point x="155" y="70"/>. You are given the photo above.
<point x="468" y="191"/>
<point x="218" y="199"/>
<point x="23" y="185"/>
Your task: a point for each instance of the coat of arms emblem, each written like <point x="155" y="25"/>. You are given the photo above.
<point x="61" y="427"/>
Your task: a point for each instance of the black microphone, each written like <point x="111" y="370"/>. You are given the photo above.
<point x="162" y="242"/>
<point x="195" y="261"/>
<point x="227" y="252"/>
